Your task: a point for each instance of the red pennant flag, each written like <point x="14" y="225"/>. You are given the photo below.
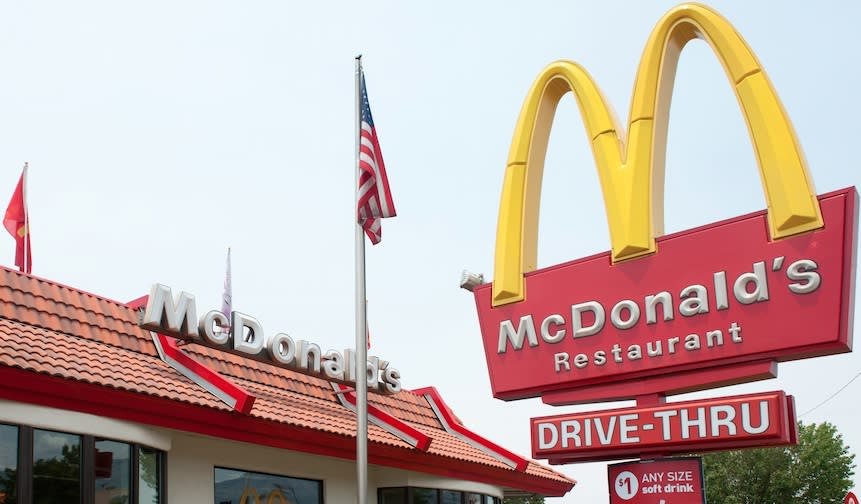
<point x="16" y="222"/>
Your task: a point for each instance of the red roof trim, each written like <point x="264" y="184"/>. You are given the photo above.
<point x="384" y="420"/>
<point x="138" y="303"/>
<point x="229" y="393"/>
<point x="168" y="350"/>
<point x="453" y="426"/>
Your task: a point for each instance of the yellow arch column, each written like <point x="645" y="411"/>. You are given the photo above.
<point x="632" y="173"/>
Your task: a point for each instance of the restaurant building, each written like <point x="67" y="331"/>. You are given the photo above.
<point x="93" y="408"/>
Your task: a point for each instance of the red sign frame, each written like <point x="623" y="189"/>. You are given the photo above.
<point x="768" y="321"/>
<point x="650" y="481"/>
<point x="672" y="428"/>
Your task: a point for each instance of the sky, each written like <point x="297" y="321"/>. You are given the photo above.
<point x="161" y="133"/>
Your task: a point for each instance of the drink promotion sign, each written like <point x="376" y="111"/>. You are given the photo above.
<point x="664" y="481"/>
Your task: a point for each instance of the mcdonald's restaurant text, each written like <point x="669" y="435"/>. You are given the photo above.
<point x="589" y="318"/>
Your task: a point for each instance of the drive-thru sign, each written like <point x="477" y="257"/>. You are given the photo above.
<point x="764" y="419"/>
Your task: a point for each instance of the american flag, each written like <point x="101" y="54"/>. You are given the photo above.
<point x="375" y="198"/>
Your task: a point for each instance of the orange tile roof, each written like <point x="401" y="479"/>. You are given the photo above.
<point x="85" y="352"/>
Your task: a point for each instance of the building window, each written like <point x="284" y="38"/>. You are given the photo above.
<point x="234" y="486"/>
<point x="150" y="475"/>
<point x="56" y="467"/>
<point x="46" y="467"/>
<point x="450" y="497"/>
<point x="113" y="472"/>
<point x="393" y="496"/>
<point x="8" y="464"/>
<point x="417" y="495"/>
<point x="424" y="496"/>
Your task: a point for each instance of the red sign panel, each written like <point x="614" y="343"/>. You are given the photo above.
<point x="850" y="499"/>
<point x="715" y="296"/>
<point x="664" y="481"/>
<point x="763" y="419"/>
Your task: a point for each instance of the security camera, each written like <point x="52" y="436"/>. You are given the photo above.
<point x="470" y="281"/>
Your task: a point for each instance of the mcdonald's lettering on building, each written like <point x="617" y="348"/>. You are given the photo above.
<point x="701" y="308"/>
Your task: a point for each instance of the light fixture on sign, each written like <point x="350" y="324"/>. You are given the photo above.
<point x="470" y="281"/>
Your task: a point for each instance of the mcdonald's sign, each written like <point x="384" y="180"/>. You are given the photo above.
<point x="701" y="308"/>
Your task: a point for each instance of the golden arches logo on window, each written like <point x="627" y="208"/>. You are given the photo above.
<point x="250" y="496"/>
<point x="631" y="168"/>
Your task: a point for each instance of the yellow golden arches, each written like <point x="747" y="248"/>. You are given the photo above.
<point x="276" y="494"/>
<point x="631" y="172"/>
<point x="250" y="493"/>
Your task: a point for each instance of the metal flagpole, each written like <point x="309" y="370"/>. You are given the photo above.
<point x="26" y="220"/>
<point x="361" y="326"/>
<point x="227" y="292"/>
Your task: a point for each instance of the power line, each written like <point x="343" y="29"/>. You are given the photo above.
<point x="832" y="396"/>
